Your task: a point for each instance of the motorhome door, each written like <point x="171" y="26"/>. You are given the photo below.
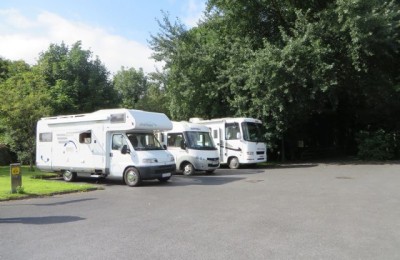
<point x="218" y="141"/>
<point x="118" y="159"/>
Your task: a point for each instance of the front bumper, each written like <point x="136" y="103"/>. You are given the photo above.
<point x="155" y="172"/>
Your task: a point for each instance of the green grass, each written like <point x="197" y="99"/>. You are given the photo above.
<point x="36" y="184"/>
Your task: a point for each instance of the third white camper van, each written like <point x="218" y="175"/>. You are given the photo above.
<point x="112" y="143"/>
<point x="238" y="139"/>
<point x="192" y="146"/>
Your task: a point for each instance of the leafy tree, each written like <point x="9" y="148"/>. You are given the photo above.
<point x="192" y="61"/>
<point x="297" y="65"/>
<point x="131" y="86"/>
<point x="10" y="68"/>
<point x="77" y="82"/>
<point x="155" y="98"/>
<point x="27" y="101"/>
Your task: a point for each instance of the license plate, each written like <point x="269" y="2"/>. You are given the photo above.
<point x="166" y="174"/>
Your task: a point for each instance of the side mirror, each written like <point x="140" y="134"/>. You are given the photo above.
<point x="165" y="147"/>
<point x="183" y="145"/>
<point x="125" y="149"/>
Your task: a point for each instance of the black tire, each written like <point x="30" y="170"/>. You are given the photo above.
<point x="132" y="177"/>
<point x="188" y="169"/>
<point x="234" y="163"/>
<point x="210" y="172"/>
<point x="165" y="179"/>
<point x="69" y="176"/>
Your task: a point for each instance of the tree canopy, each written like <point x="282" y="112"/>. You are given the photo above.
<point x="77" y="82"/>
<point x="325" y="74"/>
<point x="297" y="65"/>
<point x="27" y="101"/>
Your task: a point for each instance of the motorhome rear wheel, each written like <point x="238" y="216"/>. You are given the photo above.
<point x="69" y="176"/>
<point x="234" y="163"/>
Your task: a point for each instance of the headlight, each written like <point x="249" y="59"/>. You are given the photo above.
<point x="250" y="153"/>
<point x="150" y="160"/>
<point x="200" y="158"/>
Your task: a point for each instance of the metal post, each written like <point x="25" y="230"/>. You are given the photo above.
<point x="16" y="176"/>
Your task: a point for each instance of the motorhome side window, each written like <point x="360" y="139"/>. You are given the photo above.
<point x="215" y="133"/>
<point x="86" y="137"/>
<point x="45" y="137"/>
<point x="232" y="131"/>
<point x="117" y="142"/>
<point x="174" y="140"/>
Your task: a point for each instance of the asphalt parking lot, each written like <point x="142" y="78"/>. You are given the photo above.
<point x="298" y="211"/>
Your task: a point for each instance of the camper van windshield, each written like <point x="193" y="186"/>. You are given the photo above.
<point x="252" y="132"/>
<point x="199" y="140"/>
<point x="144" y="141"/>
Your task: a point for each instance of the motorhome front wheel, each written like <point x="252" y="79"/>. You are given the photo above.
<point x="188" y="169"/>
<point x="132" y="177"/>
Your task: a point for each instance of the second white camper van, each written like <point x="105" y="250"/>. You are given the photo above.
<point x="192" y="146"/>
<point x="239" y="140"/>
<point x="112" y="143"/>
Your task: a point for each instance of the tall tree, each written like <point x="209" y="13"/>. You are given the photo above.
<point x="77" y="82"/>
<point x="11" y="68"/>
<point x="192" y="61"/>
<point x="308" y="69"/>
<point x="27" y="101"/>
<point x="131" y="86"/>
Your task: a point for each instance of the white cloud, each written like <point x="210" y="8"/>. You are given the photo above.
<point x="194" y="11"/>
<point x="24" y="38"/>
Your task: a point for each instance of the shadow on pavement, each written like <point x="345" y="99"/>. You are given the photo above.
<point x="40" y="220"/>
<point x="63" y="202"/>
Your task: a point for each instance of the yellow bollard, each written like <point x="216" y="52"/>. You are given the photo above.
<point x="16" y="176"/>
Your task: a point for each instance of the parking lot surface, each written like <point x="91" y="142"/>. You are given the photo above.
<point x="296" y="211"/>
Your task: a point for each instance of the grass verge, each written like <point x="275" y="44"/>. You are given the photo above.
<point x="36" y="184"/>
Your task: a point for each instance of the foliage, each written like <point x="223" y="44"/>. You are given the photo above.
<point x="20" y="190"/>
<point x="27" y="101"/>
<point x="291" y="64"/>
<point x="11" y="68"/>
<point x="77" y="83"/>
<point x="5" y="155"/>
<point x="131" y="86"/>
<point x="192" y="60"/>
<point x="377" y="145"/>
<point x="155" y="98"/>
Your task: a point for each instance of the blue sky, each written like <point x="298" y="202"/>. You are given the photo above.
<point x="116" y="31"/>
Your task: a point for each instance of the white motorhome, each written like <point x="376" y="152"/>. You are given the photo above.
<point x="239" y="140"/>
<point x="112" y="143"/>
<point x="192" y="146"/>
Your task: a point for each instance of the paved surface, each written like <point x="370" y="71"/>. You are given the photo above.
<point x="310" y="211"/>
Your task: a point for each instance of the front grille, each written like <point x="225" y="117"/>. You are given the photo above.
<point x="213" y="162"/>
<point x="213" y="165"/>
<point x="165" y="169"/>
<point x="262" y="152"/>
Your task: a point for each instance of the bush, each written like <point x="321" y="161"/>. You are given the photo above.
<point x="377" y="145"/>
<point x="5" y="155"/>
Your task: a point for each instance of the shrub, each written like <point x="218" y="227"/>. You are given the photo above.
<point x="5" y="155"/>
<point x="377" y="145"/>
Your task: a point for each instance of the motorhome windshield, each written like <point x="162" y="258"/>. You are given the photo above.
<point x="144" y="141"/>
<point x="252" y="132"/>
<point x="199" y="140"/>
